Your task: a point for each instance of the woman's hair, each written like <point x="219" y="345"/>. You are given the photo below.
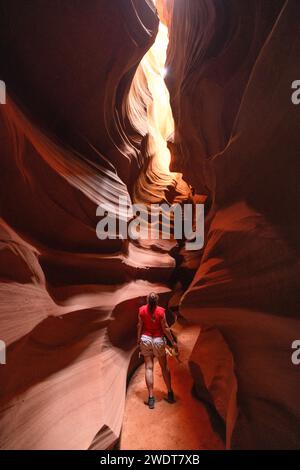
<point x="152" y="301"/>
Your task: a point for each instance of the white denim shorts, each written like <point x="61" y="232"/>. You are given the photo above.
<point x="153" y="346"/>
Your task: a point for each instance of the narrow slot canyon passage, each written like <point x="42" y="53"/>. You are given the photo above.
<point x="187" y="424"/>
<point x="153" y="103"/>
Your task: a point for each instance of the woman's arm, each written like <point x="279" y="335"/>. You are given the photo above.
<point x="139" y="330"/>
<point x="167" y="331"/>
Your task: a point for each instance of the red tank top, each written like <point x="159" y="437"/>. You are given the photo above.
<point x="150" y="327"/>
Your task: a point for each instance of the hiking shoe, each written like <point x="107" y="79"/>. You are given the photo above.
<point x="151" y="402"/>
<point x="170" y="398"/>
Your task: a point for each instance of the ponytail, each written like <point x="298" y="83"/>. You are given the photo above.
<point x="152" y="301"/>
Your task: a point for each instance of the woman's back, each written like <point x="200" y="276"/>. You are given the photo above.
<point x="151" y="320"/>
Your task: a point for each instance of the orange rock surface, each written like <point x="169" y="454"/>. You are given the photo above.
<point x="84" y="124"/>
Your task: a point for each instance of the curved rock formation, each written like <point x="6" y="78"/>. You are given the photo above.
<point x="213" y="48"/>
<point x="66" y="148"/>
<point x="82" y="126"/>
<point x="235" y="122"/>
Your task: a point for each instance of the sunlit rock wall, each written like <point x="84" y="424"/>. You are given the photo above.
<point x="68" y="301"/>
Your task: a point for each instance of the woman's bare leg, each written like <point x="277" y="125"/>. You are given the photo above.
<point x="165" y="371"/>
<point x="149" y="374"/>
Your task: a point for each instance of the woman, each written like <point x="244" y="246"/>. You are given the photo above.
<point x="152" y="329"/>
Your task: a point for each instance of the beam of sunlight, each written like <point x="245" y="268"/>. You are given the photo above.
<point x="160" y="118"/>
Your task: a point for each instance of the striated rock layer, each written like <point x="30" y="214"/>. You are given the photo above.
<point x="230" y="69"/>
<point x="83" y="126"/>
<point x="68" y="301"/>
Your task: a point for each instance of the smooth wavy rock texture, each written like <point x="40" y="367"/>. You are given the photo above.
<point x="68" y="300"/>
<point x="88" y="119"/>
<point x="231" y="65"/>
